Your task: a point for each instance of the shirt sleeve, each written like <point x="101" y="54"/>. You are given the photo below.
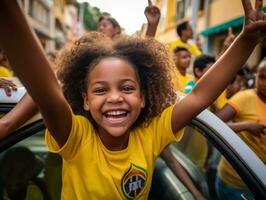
<point x="162" y="129"/>
<point x="194" y="49"/>
<point x="81" y="133"/>
<point x="238" y="102"/>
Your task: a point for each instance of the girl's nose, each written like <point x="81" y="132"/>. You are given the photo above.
<point x="115" y="97"/>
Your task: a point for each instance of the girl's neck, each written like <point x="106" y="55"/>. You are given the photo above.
<point x="114" y="143"/>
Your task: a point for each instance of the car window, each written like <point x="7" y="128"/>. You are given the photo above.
<point x="216" y="161"/>
<point x="29" y="170"/>
<point x="211" y="173"/>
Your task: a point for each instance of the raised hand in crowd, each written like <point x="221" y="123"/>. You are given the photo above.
<point x="230" y="38"/>
<point x="153" y="15"/>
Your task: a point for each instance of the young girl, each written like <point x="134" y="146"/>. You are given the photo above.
<point x="26" y="108"/>
<point x="122" y="112"/>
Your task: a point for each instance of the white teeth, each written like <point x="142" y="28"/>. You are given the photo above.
<point x="115" y="113"/>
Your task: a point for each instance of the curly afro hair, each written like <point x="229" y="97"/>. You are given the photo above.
<point x="150" y="59"/>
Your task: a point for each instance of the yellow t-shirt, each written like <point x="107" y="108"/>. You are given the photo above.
<point x="4" y="72"/>
<point x="221" y="100"/>
<point x="90" y="171"/>
<point x="249" y="107"/>
<point x="182" y="81"/>
<point x="193" y="49"/>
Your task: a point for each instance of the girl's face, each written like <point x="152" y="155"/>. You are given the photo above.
<point x="107" y="28"/>
<point x="261" y="83"/>
<point x="113" y="97"/>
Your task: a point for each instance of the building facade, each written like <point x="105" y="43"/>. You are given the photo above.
<point x="41" y="18"/>
<point x="209" y="18"/>
<point x="51" y="20"/>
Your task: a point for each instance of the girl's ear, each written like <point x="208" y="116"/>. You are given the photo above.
<point x="85" y="102"/>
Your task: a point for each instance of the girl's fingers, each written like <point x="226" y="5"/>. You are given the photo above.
<point x="246" y="6"/>
<point x="258" y="5"/>
<point x="258" y="25"/>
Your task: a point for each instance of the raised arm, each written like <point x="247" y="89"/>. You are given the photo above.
<point x="223" y="71"/>
<point x="153" y="15"/>
<point x="33" y="69"/>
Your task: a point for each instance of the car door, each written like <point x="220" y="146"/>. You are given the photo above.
<point x="204" y="137"/>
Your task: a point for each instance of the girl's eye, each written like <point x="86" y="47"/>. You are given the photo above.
<point x="99" y="91"/>
<point x="128" y="89"/>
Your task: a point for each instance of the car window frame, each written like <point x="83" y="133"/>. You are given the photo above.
<point x="235" y="150"/>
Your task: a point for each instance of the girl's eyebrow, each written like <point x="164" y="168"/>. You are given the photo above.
<point x="102" y="82"/>
<point x="128" y="79"/>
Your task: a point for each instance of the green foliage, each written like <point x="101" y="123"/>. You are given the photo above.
<point x="90" y="15"/>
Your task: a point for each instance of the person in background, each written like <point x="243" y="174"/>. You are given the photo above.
<point x="185" y="33"/>
<point x="18" y="172"/>
<point x="109" y="26"/>
<point x="247" y="111"/>
<point x="200" y="66"/>
<point x="182" y="58"/>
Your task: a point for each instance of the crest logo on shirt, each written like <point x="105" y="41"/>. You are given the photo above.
<point x="133" y="181"/>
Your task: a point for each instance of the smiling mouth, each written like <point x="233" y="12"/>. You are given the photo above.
<point x="116" y="117"/>
<point x="115" y="114"/>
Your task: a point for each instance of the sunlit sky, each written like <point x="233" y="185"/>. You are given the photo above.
<point x="129" y="13"/>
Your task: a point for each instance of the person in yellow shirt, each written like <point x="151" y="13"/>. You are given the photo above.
<point x="247" y="110"/>
<point x="185" y="33"/>
<point x="182" y="59"/>
<point x="109" y="130"/>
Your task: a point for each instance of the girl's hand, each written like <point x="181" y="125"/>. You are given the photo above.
<point x="8" y="86"/>
<point x="254" y="29"/>
<point x="152" y="14"/>
<point x="255" y="129"/>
